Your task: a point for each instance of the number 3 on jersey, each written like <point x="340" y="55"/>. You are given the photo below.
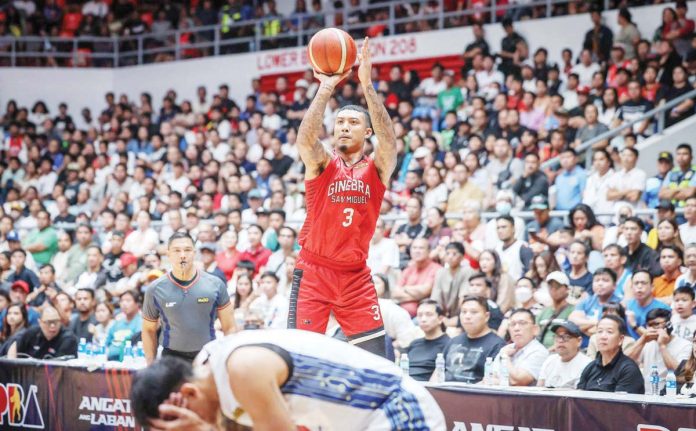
<point x="349" y="217"/>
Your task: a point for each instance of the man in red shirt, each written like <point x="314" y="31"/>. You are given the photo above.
<point x="344" y="191"/>
<point x="417" y="280"/>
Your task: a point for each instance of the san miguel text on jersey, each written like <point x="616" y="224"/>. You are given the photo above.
<point x="338" y="188"/>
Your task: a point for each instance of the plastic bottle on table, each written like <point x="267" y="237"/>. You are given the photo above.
<point x="654" y="381"/>
<point x="504" y="373"/>
<point x="671" y="384"/>
<point x="488" y="372"/>
<point x="404" y="364"/>
<point x="440" y="368"/>
<point x="128" y="354"/>
<point x="82" y="349"/>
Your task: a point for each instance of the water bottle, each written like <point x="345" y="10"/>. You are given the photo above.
<point x="488" y="372"/>
<point x="504" y="373"/>
<point x="140" y="355"/>
<point x="103" y="352"/>
<point x="654" y="381"/>
<point x="404" y="364"/>
<point x="89" y="353"/>
<point x="440" y="368"/>
<point x="82" y="349"/>
<point x="128" y="354"/>
<point x="671" y="384"/>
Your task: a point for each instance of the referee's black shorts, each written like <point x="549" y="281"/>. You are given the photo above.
<point x="186" y="356"/>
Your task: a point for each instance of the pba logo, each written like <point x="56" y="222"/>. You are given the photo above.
<point x="20" y="409"/>
<point x="643" y="427"/>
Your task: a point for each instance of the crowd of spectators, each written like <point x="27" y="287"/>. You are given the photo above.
<point x="236" y="20"/>
<point x="89" y="201"/>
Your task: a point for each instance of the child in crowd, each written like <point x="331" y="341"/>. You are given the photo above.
<point x="683" y="319"/>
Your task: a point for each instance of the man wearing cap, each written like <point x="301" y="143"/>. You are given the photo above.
<point x="681" y="182"/>
<point x="130" y="278"/>
<point x="254" y="201"/>
<point x="558" y="283"/>
<point x="21" y="272"/>
<point x="14" y="243"/>
<point x="653" y="185"/>
<point x="207" y="251"/>
<point x="187" y="302"/>
<point x="299" y="106"/>
<point x="19" y="291"/>
<point x="563" y="368"/>
<point x="543" y="225"/>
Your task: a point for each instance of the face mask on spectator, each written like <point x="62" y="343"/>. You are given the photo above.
<point x="523" y="294"/>
<point x="503" y="208"/>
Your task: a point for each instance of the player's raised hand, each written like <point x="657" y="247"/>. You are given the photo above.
<point x="365" y="60"/>
<point x="331" y="80"/>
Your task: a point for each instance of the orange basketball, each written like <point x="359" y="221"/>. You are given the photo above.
<point x="332" y="51"/>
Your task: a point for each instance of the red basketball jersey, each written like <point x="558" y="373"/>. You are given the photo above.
<point x="343" y="204"/>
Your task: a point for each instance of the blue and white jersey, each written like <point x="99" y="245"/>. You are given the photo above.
<point x="332" y="385"/>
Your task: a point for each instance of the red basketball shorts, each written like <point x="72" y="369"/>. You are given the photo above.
<point x="350" y="294"/>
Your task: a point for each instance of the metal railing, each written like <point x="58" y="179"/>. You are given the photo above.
<point x="296" y="222"/>
<point x="657" y="113"/>
<point x="244" y="36"/>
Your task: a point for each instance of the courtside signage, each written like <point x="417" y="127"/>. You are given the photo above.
<point x="106" y="411"/>
<point x="19" y="408"/>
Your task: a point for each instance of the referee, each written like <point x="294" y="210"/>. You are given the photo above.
<point x="187" y="302"/>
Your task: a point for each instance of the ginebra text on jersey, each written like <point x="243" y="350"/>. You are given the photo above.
<point x="353" y="185"/>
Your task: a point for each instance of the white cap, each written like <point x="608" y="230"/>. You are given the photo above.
<point x="421" y="152"/>
<point x="302" y="83"/>
<point x="559" y="277"/>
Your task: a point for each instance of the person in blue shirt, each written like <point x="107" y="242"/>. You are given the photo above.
<point x="665" y="162"/>
<point x="588" y="311"/>
<point x="643" y="301"/>
<point x="570" y="183"/>
<point x="125" y="327"/>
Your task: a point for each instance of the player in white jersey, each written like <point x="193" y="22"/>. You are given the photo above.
<point x="282" y="380"/>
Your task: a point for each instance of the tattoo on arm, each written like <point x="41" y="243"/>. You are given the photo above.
<point x="385" y="153"/>
<point x="311" y="150"/>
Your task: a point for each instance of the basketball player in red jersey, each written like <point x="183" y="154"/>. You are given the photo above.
<point x="344" y="191"/>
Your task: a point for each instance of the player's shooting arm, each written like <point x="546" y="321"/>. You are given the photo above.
<point x="385" y="150"/>
<point x="256" y="374"/>
<point x="312" y="152"/>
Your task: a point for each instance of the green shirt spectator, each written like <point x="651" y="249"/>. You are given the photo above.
<point x="42" y="243"/>
<point x="558" y="283"/>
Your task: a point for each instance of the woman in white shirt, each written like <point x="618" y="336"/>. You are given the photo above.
<point x="608" y="107"/>
<point x="436" y="191"/>
<point x="595" y="194"/>
<point x="104" y="313"/>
